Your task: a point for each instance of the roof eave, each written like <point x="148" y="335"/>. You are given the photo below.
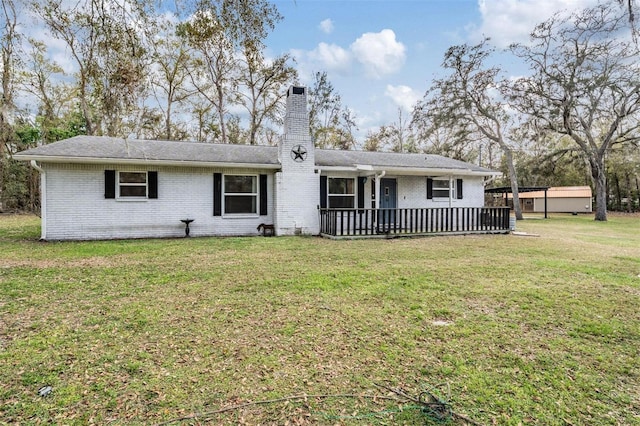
<point x="409" y="171"/>
<point x="139" y="161"/>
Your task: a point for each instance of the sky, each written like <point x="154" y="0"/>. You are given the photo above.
<point x="381" y="55"/>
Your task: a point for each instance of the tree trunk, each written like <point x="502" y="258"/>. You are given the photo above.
<point x="637" y="192"/>
<point x="86" y="112"/>
<point x="513" y="176"/>
<point x="618" y="200"/>
<point x="600" y="183"/>
<point x="628" y="192"/>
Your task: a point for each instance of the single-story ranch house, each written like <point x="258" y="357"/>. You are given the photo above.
<point x="103" y="188"/>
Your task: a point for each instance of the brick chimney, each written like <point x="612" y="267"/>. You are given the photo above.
<point x="297" y="184"/>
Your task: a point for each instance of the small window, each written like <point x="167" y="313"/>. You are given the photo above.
<point x="240" y="194"/>
<point x="341" y="194"/>
<point x="132" y="184"/>
<point x="442" y="189"/>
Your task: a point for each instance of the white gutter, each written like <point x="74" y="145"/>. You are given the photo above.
<point x="43" y="199"/>
<point x="140" y="161"/>
<point x="411" y="171"/>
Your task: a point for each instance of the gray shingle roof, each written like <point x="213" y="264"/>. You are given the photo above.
<point x="334" y="158"/>
<point x="98" y="149"/>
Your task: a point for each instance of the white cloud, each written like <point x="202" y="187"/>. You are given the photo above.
<point x="326" y="26"/>
<point x="331" y="57"/>
<point x="380" y="53"/>
<point x="511" y="21"/>
<point x="403" y="96"/>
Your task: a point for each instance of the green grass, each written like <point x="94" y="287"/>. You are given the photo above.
<point x="509" y="330"/>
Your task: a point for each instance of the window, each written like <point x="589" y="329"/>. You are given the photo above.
<point x="441" y="189"/>
<point x="132" y="184"/>
<point x="341" y="193"/>
<point x="240" y="194"/>
<point x="444" y="188"/>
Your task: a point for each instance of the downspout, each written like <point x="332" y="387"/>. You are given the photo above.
<point x="43" y="199"/>
<point x="378" y="196"/>
<point x="378" y="177"/>
<point x="319" y="173"/>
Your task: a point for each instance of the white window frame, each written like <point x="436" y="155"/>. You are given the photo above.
<point x="352" y="195"/>
<point x="119" y="186"/>
<point x="255" y="194"/>
<point x="451" y="189"/>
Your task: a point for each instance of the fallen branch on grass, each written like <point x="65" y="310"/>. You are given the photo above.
<point x="203" y="416"/>
<point x="434" y="407"/>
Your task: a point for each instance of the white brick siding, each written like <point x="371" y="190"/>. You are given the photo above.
<point x="412" y="191"/>
<point x="77" y="209"/>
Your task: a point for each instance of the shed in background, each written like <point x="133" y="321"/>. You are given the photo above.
<point x="560" y="199"/>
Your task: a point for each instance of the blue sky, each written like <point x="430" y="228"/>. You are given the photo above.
<point x="382" y="55"/>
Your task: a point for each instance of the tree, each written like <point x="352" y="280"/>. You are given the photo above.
<point x="265" y="83"/>
<point x="9" y="45"/>
<point x="629" y="5"/>
<point x="331" y="125"/>
<point x="623" y="171"/>
<point x="56" y="109"/>
<point x="395" y="137"/>
<point x="169" y="80"/>
<point x="220" y="31"/>
<point x="469" y="100"/>
<point x="585" y="84"/>
<point x="553" y="160"/>
<point x="443" y="141"/>
<point x="103" y="40"/>
<point x="324" y="109"/>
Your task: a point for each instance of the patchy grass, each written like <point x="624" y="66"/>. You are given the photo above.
<point x="509" y="330"/>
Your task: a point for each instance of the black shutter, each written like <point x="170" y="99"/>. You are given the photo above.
<point x="429" y="189"/>
<point x="263" y="195"/>
<point x="152" y="181"/>
<point x="361" y="181"/>
<point x="323" y="192"/>
<point x="459" y="189"/>
<point x="109" y="184"/>
<point x="217" y="194"/>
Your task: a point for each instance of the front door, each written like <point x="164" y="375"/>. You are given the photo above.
<point x="388" y="200"/>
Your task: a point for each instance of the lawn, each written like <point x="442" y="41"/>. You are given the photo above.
<point x="502" y="329"/>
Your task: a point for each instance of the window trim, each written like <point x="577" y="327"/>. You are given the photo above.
<point x="119" y="184"/>
<point x="353" y="195"/>
<point x="255" y="194"/>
